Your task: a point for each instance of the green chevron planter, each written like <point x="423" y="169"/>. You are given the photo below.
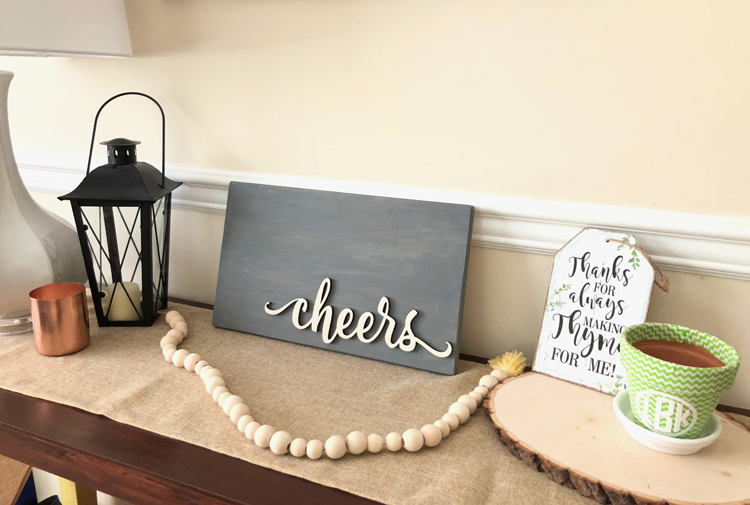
<point x="671" y="399"/>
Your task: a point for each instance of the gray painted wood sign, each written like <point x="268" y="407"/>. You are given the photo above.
<point x="382" y="278"/>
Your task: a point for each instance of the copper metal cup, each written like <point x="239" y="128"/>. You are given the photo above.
<point x="61" y="318"/>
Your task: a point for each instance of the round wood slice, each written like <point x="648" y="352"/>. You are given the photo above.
<point x="571" y="433"/>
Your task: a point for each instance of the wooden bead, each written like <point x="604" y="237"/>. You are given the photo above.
<point x="168" y="340"/>
<point x="223" y="396"/>
<point x="178" y="358"/>
<point x="445" y="428"/>
<point x="356" y="442"/>
<point x="477" y="397"/>
<point x="280" y="442"/>
<point x="461" y="411"/>
<point x="230" y="402"/>
<point x="451" y="419"/>
<point x="374" y="443"/>
<point x="192" y="360"/>
<point x="177" y="335"/>
<point x="171" y="315"/>
<point x="314" y="449"/>
<point x="488" y="381"/>
<point x="263" y="435"/>
<point x="413" y="440"/>
<point x="393" y="441"/>
<point x="218" y="391"/>
<point x="243" y="422"/>
<point x="298" y="447"/>
<point x="213" y="383"/>
<point x="432" y="435"/>
<point x="251" y="428"/>
<point x="500" y="375"/>
<point x="200" y="366"/>
<point x="204" y="373"/>
<point x="335" y="447"/>
<point x="238" y="411"/>
<point x="181" y="326"/>
<point x="469" y="402"/>
<point x="167" y="347"/>
<point x="482" y="390"/>
<point x="207" y="374"/>
<point x="168" y="354"/>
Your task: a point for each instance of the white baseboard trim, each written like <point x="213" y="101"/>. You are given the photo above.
<point x="694" y="243"/>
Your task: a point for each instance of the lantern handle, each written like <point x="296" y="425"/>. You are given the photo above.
<point x="163" y="130"/>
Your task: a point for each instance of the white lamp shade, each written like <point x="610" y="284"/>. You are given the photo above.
<point x="64" y="28"/>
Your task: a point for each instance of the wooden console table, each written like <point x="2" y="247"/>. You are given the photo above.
<point x="144" y="467"/>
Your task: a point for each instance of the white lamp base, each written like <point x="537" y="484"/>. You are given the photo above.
<point x="20" y="324"/>
<point x="36" y="248"/>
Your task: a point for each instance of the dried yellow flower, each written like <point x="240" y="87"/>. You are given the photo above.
<point x="512" y="362"/>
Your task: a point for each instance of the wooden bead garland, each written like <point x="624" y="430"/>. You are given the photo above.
<point x="335" y="447"/>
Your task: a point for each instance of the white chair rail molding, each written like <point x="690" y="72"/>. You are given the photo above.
<point x="693" y="243"/>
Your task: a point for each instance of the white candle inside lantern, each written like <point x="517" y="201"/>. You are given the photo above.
<point x="120" y="306"/>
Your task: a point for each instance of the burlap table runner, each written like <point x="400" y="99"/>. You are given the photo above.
<point x="308" y="392"/>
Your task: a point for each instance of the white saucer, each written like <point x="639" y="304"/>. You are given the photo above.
<point x="663" y="443"/>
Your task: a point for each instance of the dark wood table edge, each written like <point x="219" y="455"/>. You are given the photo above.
<point x="109" y="456"/>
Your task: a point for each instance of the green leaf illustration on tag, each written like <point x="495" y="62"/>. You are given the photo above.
<point x="555" y="300"/>
<point x="635" y="259"/>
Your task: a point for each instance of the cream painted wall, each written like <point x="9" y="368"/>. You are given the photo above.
<point x="505" y="294"/>
<point x="638" y="103"/>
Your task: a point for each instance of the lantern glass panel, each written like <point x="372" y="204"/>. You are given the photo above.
<point x="114" y="240"/>
<point x="159" y="252"/>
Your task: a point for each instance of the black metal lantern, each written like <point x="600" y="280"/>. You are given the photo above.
<point x="122" y="213"/>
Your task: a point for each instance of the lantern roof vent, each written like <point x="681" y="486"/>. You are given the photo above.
<point x="120" y="142"/>
<point x="121" y="151"/>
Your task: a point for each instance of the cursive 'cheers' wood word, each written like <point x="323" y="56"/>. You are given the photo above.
<point x="322" y="315"/>
<point x="280" y="243"/>
<point x="600" y="285"/>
